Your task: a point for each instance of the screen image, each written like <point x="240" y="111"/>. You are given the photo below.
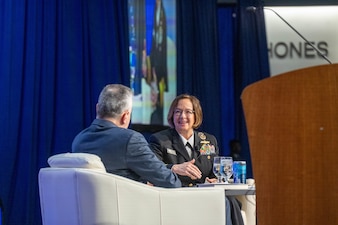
<point x="152" y="55"/>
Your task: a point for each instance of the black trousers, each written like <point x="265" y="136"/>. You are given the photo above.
<point x="235" y="210"/>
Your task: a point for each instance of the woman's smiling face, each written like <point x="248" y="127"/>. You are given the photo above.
<point x="184" y="117"/>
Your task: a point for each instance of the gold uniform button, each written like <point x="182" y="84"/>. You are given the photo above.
<point x="190" y="185"/>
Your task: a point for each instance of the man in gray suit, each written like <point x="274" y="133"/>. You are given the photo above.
<point x="123" y="151"/>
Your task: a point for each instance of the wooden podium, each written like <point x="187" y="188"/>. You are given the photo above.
<point x="292" y="125"/>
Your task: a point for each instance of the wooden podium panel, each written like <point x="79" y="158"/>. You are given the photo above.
<point x="292" y="125"/>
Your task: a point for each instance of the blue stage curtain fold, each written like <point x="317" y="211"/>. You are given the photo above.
<point x="197" y="59"/>
<point x="226" y="31"/>
<point x="55" y="58"/>
<point x="251" y="63"/>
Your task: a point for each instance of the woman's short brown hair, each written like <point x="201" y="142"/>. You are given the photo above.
<point x="196" y="107"/>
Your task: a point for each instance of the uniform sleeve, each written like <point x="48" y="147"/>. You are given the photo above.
<point x="214" y="142"/>
<point x="155" y="146"/>
<point x="216" y="145"/>
<point x="142" y="160"/>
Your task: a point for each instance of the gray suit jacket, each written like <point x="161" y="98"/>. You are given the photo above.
<point x="169" y="148"/>
<point x="124" y="152"/>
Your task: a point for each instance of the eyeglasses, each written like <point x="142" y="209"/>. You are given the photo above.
<point x="187" y="112"/>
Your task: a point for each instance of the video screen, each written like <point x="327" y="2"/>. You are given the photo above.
<point x="152" y="55"/>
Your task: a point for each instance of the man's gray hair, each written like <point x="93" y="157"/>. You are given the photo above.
<point x="114" y="99"/>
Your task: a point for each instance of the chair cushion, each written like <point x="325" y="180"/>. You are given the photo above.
<point x="76" y="160"/>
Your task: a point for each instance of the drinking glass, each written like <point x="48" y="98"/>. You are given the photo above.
<point x="226" y="168"/>
<point x="217" y="168"/>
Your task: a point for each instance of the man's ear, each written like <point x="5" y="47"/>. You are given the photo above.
<point x="97" y="107"/>
<point x="125" y="118"/>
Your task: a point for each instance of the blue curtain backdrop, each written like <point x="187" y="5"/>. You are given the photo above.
<point x="251" y="63"/>
<point x="197" y="59"/>
<point x="55" y="57"/>
<point x="226" y="30"/>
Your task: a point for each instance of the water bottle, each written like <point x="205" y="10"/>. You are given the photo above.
<point x="239" y="171"/>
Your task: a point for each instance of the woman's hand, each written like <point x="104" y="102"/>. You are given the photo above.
<point x="210" y="180"/>
<point x="187" y="169"/>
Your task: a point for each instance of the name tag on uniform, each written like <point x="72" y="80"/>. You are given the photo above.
<point x="171" y="151"/>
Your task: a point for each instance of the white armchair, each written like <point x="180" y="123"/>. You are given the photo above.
<point x="76" y="190"/>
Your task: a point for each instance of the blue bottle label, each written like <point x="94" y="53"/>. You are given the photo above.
<point x="239" y="172"/>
